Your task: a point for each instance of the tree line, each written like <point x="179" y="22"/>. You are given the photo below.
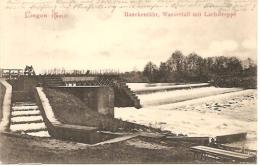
<point x="192" y="68"/>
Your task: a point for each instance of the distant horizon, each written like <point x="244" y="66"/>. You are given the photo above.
<point x="113" y="70"/>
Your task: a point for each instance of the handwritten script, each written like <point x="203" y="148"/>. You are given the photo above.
<point x="113" y="5"/>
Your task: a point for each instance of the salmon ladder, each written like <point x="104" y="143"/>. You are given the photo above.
<point x="26" y="118"/>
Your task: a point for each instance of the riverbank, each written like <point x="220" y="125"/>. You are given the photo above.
<point x="137" y="150"/>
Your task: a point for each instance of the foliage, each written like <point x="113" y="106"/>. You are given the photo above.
<point x="150" y="71"/>
<point x="194" y="68"/>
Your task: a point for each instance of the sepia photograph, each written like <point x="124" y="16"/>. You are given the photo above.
<point x="128" y="82"/>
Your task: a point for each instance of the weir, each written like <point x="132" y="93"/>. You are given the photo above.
<point x="27" y="116"/>
<point x="124" y="96"/>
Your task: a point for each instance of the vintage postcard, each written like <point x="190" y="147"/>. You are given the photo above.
<point x="128" y="81"/>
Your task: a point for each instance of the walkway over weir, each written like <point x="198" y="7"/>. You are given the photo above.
<point x="11" y="73"/>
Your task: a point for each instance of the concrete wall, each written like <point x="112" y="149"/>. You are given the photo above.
<point x="18" y="85"/>
<point x="63" y="131"/>
<point x="23" y="88"/>
<point x="30" y="84"/>
<point x="5" y="105"/>
<point x="195" y="140"/>
<point x="231" y="138"/>
<point x="99" y="99"/>
<point x="75" y="79"/>
<point x="2" y="95"/>
<point x="122" y="99"/>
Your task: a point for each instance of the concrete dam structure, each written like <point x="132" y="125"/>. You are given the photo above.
<point x="124" y="96"/>
<point x="28" y="111"/>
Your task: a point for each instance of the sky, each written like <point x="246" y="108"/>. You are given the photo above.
<point x="104" y="40"/>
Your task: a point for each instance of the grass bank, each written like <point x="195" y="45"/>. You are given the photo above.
<point x="72" y="110"/>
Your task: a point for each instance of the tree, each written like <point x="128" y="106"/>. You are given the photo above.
<point x="163" y="73"/>
<point x="150" y="71"/>
<point x="134" y="76"/>
<point x="219" y="66"/>
<point x="194" y="65"/>
<point x="234" y="65"/>
<point x="175" y="62"/>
